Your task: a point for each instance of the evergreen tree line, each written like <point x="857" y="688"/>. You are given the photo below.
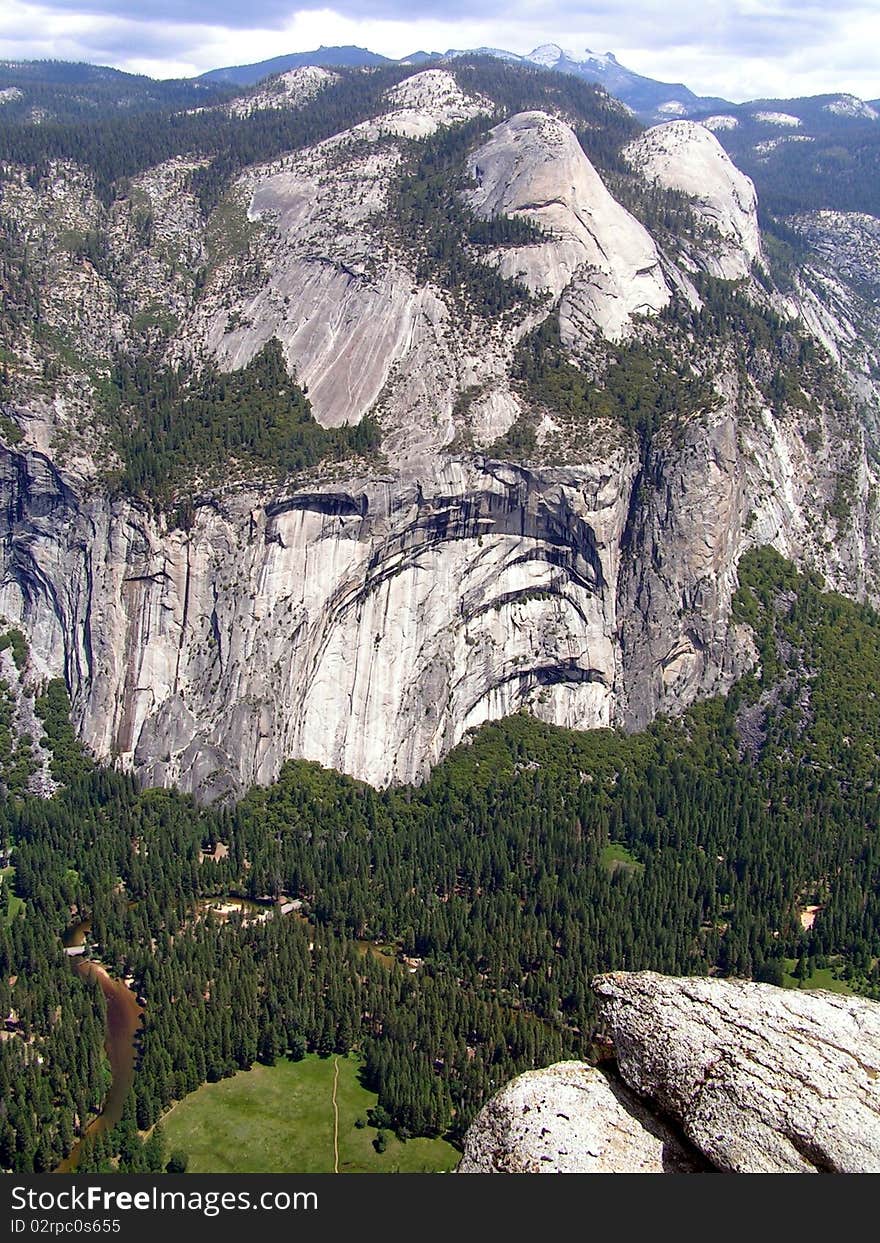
<point x="53" y="1070"/>
<point x="646" y="385"/>
<point x="117" y="145"/>
<point x="839" y="170"/>
<point x="430" y="218"/>
<point x="67" y="91"/>
<point x="173" y="425"/>
<point x="642" y="385"/>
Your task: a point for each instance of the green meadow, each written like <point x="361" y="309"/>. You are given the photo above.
<point x="820" y="977"/>
<point x="10" y="903"/>
<point x="279" y="1119"/>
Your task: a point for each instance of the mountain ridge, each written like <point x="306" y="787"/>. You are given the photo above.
<point x="347" y="56"/>
<point x="645" y="93"/>
<point x="556" y="402"/>
<point x="647" y="96"/>
<point x="465" y="504"/>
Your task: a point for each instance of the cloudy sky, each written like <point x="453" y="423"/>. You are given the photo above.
<point x="741" y="49"/>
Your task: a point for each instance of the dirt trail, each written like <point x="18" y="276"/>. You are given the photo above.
<point x="335" y="1117"/>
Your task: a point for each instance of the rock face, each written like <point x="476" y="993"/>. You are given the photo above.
<point x="366" y="628"/>
<point x="715" y="1074"/>
<point x="366" y="615"/>
<point x="686" y="156"/>
<point x="605" y="261"/>
<point x="852" y="106"/>
<point x="353" y="321"/>
<point x="420" y="105"/>
<point x="287" y="90"/>
<point x="570" y="1119"/>
<point x="838" y="293"/>
<point x="345" y="323"/>
<point x="17" y="698"/>
<point x="367" y="624"/>
<point x="760" y="1079"/>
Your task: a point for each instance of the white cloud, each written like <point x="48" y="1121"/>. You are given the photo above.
<point x="740" y="49"/>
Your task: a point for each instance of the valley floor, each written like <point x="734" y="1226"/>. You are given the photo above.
<point x="280" y="1119"/>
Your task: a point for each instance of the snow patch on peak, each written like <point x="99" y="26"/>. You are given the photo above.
<point x="549" y="54"/>
<point x="497" y="52"/>
<point x="686" y="156"/>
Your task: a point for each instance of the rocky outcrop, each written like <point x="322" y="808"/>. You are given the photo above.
<point x="760" y="1078"/>
<point x="686" y="156"/>
<point x="369" y="623"/>
<point x="420" y="105"/>
<point x="322" y="276"/>
<point x="718" y="487"/>
<point x="571" y="1119"/>
<point x="367" y="627"/>
<point x="25" y="739"/>
<point x="756" y="1079"/>
<point x="287" y="90"/>
<point x="848" y="241"/>
<point x="838" y="297"/>
<point x="362" y="333"/>
<point x="852" y="106"/>
<point x="597" y="254"/>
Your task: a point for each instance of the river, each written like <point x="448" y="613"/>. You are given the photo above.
<point x="124" y="1014"/>
<point x="123" y="1024"/>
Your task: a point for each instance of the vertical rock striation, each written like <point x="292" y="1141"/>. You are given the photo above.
<point x="367" y="621"/>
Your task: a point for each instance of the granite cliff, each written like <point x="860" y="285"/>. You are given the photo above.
<point x="368" y="613"/>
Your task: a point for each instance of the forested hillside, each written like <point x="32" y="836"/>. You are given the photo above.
<point x="807" y="154"/>
<point x="35" y="92"/>
<point x="115" y="147"/>
<point x="532" y="858"/>
<point x="584" y="422"/>
<point x="171" y="426"/>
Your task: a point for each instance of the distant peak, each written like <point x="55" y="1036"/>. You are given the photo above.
<point x="498" y="53"/>
<point x="851" y="106"/>
<point x="602" y="59"/>
<point x="550" y="53"/>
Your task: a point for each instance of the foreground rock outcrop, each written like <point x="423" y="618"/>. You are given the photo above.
<point x="760" y="1078"/>
<point x="571" y="1118"/>
<point x="756" y="1078"/>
